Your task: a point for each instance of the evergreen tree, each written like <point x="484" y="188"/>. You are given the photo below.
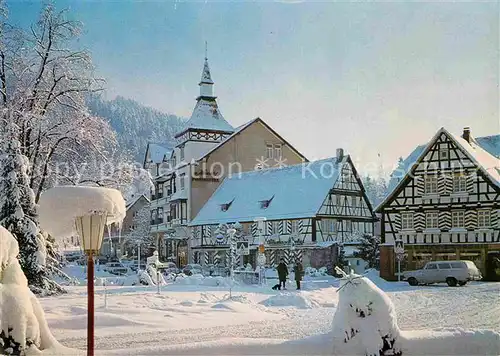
<point x="341" y="261"/>
<point x="369" y="250"/>
<point x="18" y="213"/>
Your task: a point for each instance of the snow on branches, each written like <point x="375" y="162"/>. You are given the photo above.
<point x="365" y="321"/>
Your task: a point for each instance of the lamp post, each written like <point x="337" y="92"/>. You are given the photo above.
<point x="90" y="228"/>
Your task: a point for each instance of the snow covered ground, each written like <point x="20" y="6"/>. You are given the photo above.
<point x="193" y="319"/>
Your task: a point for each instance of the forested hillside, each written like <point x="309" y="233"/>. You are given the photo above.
<point x="136" y="124"/>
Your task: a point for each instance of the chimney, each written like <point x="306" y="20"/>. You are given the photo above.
<point x="466" y="134"/>
<point x="340" y="154"/>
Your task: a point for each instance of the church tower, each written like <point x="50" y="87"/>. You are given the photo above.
<point x="206" y="126"/>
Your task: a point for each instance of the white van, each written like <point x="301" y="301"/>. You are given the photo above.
<point x="450" y="272"/>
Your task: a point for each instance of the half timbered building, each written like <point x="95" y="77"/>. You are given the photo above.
<point x="444" y="203"/>
<point x="309" y="209"/>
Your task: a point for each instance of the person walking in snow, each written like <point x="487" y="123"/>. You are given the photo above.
<point x="282" y="273"/>
<point x="298" y="271"/>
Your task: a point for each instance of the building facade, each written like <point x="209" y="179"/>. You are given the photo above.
<point x="118" y="240"/>
<point x="208" y="150"/>
<point x="444" y="203"/>
<point x="309" y="209"/>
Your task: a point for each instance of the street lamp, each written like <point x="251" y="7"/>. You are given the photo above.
<point x="66" y="211"/>
<point x="90" y="228"/>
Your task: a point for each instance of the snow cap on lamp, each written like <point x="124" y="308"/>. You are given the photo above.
<point x="60" y="206"/>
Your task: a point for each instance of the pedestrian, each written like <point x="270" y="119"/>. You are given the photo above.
<point x="298" y="270"/>
<point x="282" y="273"/>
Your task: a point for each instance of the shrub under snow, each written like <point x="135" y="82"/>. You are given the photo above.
<point x="22" y="320"/>
<point x="365" y="323"/>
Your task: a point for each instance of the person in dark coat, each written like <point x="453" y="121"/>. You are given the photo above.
<point x="298" y="270"/>
<point x="282" y="273"/>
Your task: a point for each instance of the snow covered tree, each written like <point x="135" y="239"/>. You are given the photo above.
<point x="18" y="212"/>
<point x="369" y="250"/>
<point x="48" y="137"/>
<point x="140" y="231"/>
<point x="376" y="189"/>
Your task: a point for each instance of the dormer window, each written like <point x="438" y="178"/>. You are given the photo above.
<point x="264" y="204"/>
<point x="225" y="206"/>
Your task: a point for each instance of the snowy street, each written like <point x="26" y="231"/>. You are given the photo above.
<point x="135" y="322"/>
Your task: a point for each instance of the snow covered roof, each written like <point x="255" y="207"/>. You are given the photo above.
<point x="158" y="152"/>
<point x="130" y="203"/>
<point x="484" y="151"/>
<point x="59" y="206"/>
<point x="206" y="116"/>
<point x="481" y="157"/>
<point x="491" y="144"/>
<point x="293" y="192"/>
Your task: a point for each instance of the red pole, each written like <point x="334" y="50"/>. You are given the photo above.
<point x="90" y="305"/>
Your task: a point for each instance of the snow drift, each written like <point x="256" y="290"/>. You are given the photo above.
<point x="297" y="300"/>
<point x="22" y="321"/>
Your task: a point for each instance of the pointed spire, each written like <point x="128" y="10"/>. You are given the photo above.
<point x="206" y="82"/>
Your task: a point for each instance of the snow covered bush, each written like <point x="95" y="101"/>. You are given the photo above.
<point x="22" y="321"/>
<point x="365" y="324"/>
<point x="365" y="321"/>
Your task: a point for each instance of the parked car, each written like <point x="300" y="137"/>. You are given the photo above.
<point x="115" y="268"/>
<point x="450" y="272"/>
<point x="134" y="267"/>
<point x="191" y="269"/>
<point x="73" y="256"/>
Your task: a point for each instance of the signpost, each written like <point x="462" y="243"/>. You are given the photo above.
<point x="399" y="251"/>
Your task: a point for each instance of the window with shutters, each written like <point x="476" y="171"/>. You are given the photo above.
<point x="483" y="219"/>
<point x="432" y="220"/>
<point x="295" y="226"/>
<point x="459" y="183"/>
<point x="458" y="219"/>
<point x="431" y="185"/>
<point x="406" y="221"/>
